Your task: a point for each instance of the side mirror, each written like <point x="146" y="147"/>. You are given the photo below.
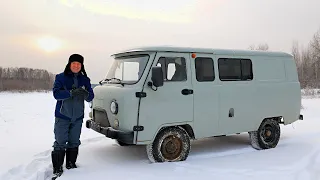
<point x="157" y="76"/>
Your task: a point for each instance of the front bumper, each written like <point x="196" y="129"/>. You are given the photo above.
<point x="125" y="137"/>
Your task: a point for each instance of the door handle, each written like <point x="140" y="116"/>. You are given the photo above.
<point x="186" y="91"/>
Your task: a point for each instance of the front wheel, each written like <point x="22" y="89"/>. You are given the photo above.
<point x="267" y="136"/>
<point x="170" y="145"/>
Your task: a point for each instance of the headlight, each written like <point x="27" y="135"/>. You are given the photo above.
<point x="114" y="107"/>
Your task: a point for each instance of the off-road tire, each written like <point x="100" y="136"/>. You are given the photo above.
<point x="175" y="138"/>
<point x="259" y="140"/>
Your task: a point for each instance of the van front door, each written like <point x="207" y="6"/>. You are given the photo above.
<point x="170" y="104"/>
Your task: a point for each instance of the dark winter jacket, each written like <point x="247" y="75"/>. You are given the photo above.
<point x="68" y="107"/>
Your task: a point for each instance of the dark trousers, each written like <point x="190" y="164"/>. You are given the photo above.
<point x="67" y="133"/>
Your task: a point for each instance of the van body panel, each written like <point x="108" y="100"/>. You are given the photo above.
<point x="236" y="102"/>
<point x="167" y="104"/>
<point x="293" y="96"/>
<point x="206" y="101"/>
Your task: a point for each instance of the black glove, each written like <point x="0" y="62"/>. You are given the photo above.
<point x="79" y="92"/>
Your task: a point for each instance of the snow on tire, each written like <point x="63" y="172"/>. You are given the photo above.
<point x="150" y="153"/>
<point x="267" y="136"/>
<point x="171" y="144"/>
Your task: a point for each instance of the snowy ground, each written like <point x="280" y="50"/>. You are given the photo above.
<point x="26" y="136"/>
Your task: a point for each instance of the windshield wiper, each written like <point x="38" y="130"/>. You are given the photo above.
<point x="109" y="79"/>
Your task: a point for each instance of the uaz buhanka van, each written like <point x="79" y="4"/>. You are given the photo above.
<point x="164" y="97"/>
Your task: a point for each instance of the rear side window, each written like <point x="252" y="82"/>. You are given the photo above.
<point x="204" y="69"/>
<point x="231" y="69"/>
<point x="246" y="70"/>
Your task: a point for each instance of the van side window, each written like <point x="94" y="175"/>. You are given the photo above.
<point x="174" y="68"/>
<point x="231" y="69"/>
<point x="246" y="68"/>
<point x="204" y="69"/>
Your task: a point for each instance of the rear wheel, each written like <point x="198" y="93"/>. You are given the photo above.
<point x="170" y="145"/>
<point x="267" y="136"/>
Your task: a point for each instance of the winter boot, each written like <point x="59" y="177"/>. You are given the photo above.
<point x="71" y="157"/>
<point x="57" y="157"/>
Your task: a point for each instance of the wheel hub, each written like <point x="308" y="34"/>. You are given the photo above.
<point x="171" y="147"/>
<point x="268" y="134"/>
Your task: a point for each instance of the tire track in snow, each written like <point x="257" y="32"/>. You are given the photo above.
<point x="37" y="169"/>
<point x="309" y="137"/>
<point x="310" y="165"/>
<point x="40" y="168"/>
<point x="306" y="169"/>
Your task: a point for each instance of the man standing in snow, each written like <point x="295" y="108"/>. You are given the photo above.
<point x="71" y="88"/>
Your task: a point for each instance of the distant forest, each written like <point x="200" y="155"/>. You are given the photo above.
<point x="25" y="79"/>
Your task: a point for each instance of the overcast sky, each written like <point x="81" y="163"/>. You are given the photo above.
<point x="98" y="28"/>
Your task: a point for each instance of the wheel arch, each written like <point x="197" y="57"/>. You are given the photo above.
<point x="184" y="126"/>
<point x="279" y="119"/>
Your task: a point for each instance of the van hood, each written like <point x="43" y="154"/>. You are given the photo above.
<point x="126" y="100"/>
<point x="105" y="92"/>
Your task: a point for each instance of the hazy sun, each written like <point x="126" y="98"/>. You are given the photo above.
<point x="49" y="44"/>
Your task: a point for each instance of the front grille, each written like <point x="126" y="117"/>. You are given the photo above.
<point x="101" y="117"/>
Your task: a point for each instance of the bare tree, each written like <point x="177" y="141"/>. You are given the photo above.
<point x="252" y="47"/>
<point x="315" y="43"/>
<point x="261" y="47"/>
<point x="308" y="62"/>
<point x="1" y="86"/>
<point x="296" y="52"/>
<point x="315" y="48"/>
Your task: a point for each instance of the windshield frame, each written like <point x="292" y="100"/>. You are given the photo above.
<point x="124" y="57"/>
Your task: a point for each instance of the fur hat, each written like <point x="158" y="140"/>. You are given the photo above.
<point x="75" y="58"/>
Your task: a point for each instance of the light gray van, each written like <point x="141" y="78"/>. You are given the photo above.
<point x="164" y="97"/>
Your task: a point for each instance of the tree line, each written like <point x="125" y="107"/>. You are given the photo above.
<point x="25" y="79"/>
<point x="308" y="62"/>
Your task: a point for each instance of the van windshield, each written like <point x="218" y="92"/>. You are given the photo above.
<point x="127" y="69"/>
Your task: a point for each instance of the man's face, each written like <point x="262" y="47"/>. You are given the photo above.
<point x="75" y="67"/>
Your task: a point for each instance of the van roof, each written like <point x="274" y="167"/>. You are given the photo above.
<point x="205" y="50"/>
